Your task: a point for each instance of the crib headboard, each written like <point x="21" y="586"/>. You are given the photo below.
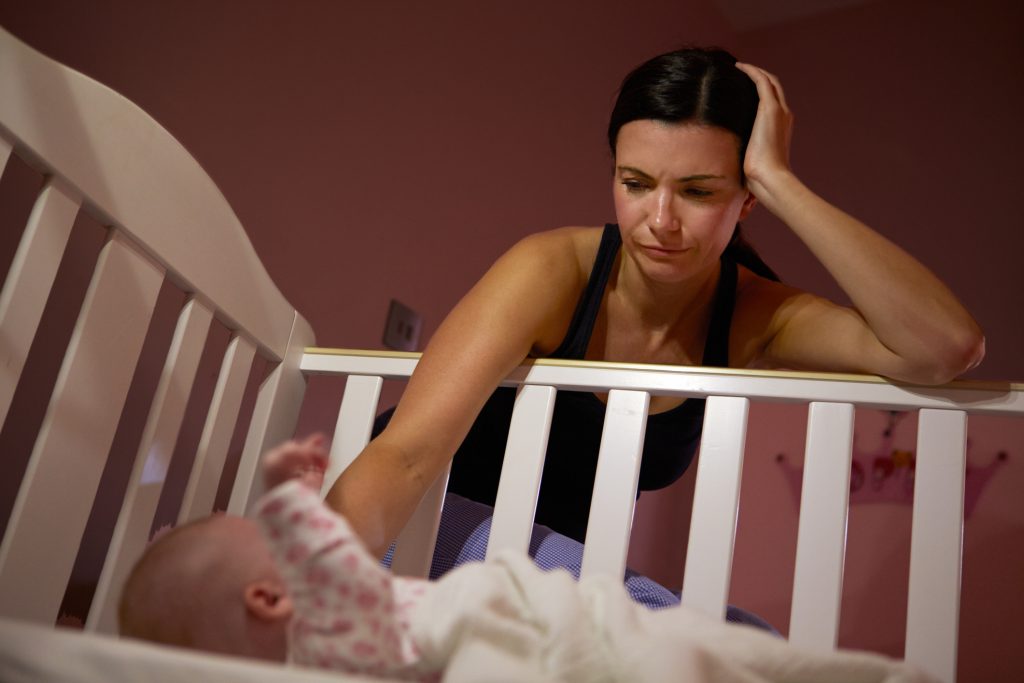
<point x="165" y="220"/>
<point x="167" y="224"/>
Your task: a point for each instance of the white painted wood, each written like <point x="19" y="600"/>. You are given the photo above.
<point x="30" y="653"/>
<point x="984" y="398"/>
<point x="414" y="547"/>
<point x="936" y="543"/>
<point x="354" y="426"/>
<point x="389" y="365"/>
<point x="152" y="461"/>
<point x="64" y="469"/>
<point x="135" y="175"/>
<point x="201" y="490"/>
<point x="516" y="501"/>
<point x="715" y="505"/>
<point x="821" y="537"/>
<point x="278" y="402"/>
<point x="29" y="281"/>
<point x="618" y="471"/>
<point x="5" y="153"/>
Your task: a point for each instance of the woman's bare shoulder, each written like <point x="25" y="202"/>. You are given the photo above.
<point x="570" y="245"/>
<point x="760" y="305"/>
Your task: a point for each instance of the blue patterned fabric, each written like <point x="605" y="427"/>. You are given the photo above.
<point x="466" y="526"/>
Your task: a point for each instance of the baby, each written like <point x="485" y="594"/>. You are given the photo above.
<point x="292" y="583"/>
<point x="296" y="584"/>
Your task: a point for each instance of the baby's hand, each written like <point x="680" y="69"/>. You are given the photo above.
<point x="304" y="459"/>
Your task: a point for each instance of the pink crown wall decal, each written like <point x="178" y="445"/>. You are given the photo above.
<point x="886" y="474"/>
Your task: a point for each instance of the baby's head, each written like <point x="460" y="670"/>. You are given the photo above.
<point x="209" y="585"/>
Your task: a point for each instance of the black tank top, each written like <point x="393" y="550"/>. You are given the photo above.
<point x="571" y="461"/>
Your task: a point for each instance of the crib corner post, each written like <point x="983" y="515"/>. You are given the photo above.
<point x="278" y="402"/>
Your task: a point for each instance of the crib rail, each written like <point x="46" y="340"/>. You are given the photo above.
<point x="934" y="597"/>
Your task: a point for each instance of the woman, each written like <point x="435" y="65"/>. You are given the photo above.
<point x="698" y="139"/>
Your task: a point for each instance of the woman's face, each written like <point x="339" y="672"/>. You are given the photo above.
<point x="678" y="196"/>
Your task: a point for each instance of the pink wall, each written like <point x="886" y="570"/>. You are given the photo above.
<point x="372" y="148"/>
<point x="908" y="116"/>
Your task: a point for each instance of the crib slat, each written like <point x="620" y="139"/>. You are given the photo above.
<point x="933" y="601"/>
<point x="5" y="154"/>
<point x="149" y="472"/>
<point x="715" y="505"/>
<point x="516" y="501"/>
<point x="355" y="424"/>
<point x="618" y="471"/>
<point x="821" y="538"/>
<point x="414" y="547"/>
<point x="278" y="401"/>
<point x="201" y="489"/>
<point x="52" y="506"/>
<point x="29" y="281"/>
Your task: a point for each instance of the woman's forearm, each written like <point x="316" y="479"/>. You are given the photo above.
<point x="909" y="310"/>
<point x="378" y="493"/>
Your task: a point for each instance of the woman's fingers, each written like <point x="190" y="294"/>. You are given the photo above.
<point x="768" y="85"/>
<point x="768" y="148"/>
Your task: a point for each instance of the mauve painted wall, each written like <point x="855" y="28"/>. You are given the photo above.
<point x="395" y="149"/>
<point x="907" y="116"/>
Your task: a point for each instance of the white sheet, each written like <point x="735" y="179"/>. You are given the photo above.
<point x="34" y="654"/>
<point x="541" y="628"/>
<point x="504" y="622"/>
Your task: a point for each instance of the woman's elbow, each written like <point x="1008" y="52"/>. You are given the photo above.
<point x="959" y="354"/>
<point x="971" y="351"/>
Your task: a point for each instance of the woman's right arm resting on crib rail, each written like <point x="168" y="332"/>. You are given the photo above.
<point x="524" y="302"/>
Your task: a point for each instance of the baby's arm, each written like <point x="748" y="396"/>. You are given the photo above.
<point x="345" y="602"/>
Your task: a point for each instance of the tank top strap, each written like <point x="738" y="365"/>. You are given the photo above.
<point x="716" y="346"/>
<point x="574" y="345"/>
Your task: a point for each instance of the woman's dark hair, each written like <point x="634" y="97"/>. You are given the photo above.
<point x="701" y="86"/>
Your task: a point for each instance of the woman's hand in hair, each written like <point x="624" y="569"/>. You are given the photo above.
<point x="767" y="156"/>
<point x="904" y="323"/>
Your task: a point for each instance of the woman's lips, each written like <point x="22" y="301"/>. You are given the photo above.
<point x="662" y="251"/>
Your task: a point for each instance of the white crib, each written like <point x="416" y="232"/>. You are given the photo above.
<point x="166" y="222"/>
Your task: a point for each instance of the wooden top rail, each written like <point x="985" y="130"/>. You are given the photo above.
<point x="992" y="398"/>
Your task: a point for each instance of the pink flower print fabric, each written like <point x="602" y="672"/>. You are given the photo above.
<point x="351" y="614"/>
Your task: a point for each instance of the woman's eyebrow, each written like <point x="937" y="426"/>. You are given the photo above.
<point x="684" y="179"/>
<point x="700" y="176"/>
<point x="630" y="169"/>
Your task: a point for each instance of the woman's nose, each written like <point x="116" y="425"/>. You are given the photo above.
<point x="662" y="216"/>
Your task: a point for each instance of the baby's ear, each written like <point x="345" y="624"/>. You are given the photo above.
<point x="267" y="599"/>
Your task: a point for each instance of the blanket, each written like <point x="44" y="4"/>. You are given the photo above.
<point x="508" y="620"/>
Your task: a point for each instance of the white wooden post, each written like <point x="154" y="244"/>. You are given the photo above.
<point x="715" y="505"/>
<point x="5" y="154"/>
<point x="618" y="472"/>
<point x="933" y="601"/>
<point x="516" y="501"/>
<point x="29" y="281"/>
<point x="355" y="424"/>
<point x="821" y="537"/>
<point x="50" y="512"/>
<point x="152" y="461"/>
<point x="208" y="466"/>
<point x="278" y="402"/>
